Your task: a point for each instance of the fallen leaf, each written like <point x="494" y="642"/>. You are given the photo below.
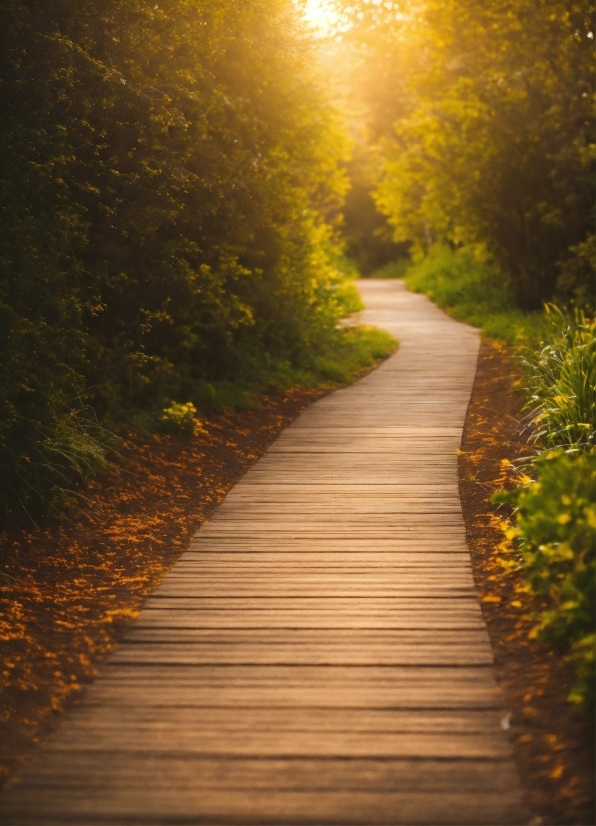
<point x="557" y="772"/>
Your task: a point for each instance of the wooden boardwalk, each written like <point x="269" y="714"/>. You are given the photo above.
<point x="318" y="656"/>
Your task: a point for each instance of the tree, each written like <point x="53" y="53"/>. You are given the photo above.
<point x="171" y="173"/>
<point x="491" y="128"/>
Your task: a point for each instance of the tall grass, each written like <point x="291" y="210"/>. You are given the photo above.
<point x="562" y="383"/>
<point x="54" y="458"/>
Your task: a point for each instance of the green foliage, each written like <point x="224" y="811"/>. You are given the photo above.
<point x="459" y="281"/>
<point x="393" y="269"/>
<point x="555" y="516"/>
<point x="348" y="298"/>
<point x="179" y="418"/>
<point x="484" y="117"/>
<point x="556" y="530"/>
<point x="353" y="350"/>
<point x="471" y="289"/>
<point x="171" y="179"/>
<point x="577" y="274"/>
<point x="562" y="383"/>
<point x="345" y="354"/>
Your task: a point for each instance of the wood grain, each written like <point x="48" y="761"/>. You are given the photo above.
<point x="318" y="655"/>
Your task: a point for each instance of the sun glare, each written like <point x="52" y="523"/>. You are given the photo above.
<point x="321" y="15"/>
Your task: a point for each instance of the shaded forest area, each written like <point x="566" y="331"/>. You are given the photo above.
<point x="171" y="177"/>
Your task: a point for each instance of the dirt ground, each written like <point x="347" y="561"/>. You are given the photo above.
<point x="553" y="742"/>
<point x="68" y="591"/>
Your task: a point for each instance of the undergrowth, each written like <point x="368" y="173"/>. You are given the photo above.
<point x="554" y="529"/>
<point x="43" y="471"/>
<point x="47" y="460"/>
<point x="554" y="525"/>
<point x="347" y="352"/>
<point x="61" y="457"/>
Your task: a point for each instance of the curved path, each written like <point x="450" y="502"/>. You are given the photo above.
<point x="318" y="655"/>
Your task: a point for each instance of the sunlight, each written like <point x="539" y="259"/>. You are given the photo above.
<point x="322" y="16"/>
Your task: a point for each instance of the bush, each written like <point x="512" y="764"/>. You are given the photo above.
<point x="46" y="460"/>
<point x="555" y="517"/>
<point x="180" y="418"/>
<point x="555" y="526"/>
<point x="393" y="269"/>
<point x="459" y="281"/>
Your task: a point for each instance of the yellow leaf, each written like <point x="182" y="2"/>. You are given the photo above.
<point x="491" y="598"/>
<point x="551" y="739"/>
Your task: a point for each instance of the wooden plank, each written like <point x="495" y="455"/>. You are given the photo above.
<point x="135" y="805"/>
<point x="446" y="695"/>
<point x="265" y="637"/>
<point x="112" y="770"/>
<point x="212" y="719"/>
<point x="309" y="619"/>
<point x="381" y="605"/>
<point x="165" y="651"/>
<point x="297" y="743"/>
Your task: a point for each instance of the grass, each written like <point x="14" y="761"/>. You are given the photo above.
<point x="562" y="383"/>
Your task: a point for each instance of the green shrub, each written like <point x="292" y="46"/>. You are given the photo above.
<point x="555" y="517"/>
<point x="555" y="527"/>
<point x="455" y="279"/>
<point x="353" y="350"/>
<point x="348" y="298"/>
